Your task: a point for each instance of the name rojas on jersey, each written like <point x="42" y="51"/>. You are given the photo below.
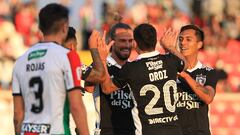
<point x="188" y="100"/>
<point x="35" y="55"/>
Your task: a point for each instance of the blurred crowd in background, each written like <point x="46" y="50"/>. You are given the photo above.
<point x="220" y="20"/>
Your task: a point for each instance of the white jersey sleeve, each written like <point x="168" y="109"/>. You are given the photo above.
<point x="15" y="84"/>
<point x="42" y="76"/>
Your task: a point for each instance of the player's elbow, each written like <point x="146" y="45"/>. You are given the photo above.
<point x="208" y="100"/>
<point x="107" y="89"/>
<point x="89" y="89"/>
<point x="75" y="108"/>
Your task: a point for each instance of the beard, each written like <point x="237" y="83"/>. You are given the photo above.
<point x="122" y="56"/>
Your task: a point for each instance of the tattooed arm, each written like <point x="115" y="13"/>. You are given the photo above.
<point x="205" y="93"/>
<point x="97" y="73"/>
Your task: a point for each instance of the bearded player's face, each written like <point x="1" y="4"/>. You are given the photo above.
<point x="123" y="43"/>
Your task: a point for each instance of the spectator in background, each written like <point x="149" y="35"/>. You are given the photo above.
<point x="5" y="10"/>
<point x="26" y="23"/>
<point x="11" y="47"/>
<point x="88" y="22"/>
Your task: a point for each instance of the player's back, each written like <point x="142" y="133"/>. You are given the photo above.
<point x="153" y="83"/>
<point x="40" y="73"/>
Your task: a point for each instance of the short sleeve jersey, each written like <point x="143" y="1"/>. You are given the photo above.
<point x="114" y="110"/>
<point x="43" y="76"/>
<point x="152" y="80"/>
<point x="192" y="111"/>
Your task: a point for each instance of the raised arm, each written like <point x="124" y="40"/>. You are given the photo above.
<point x="205" y="93"/>
<point x="97" y="73"/>
<point x="107" y="85"/>
<point x="169" y="42"/>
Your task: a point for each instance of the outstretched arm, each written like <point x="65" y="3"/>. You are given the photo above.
<point x="205" y="93"/>
<point x="168" y="41"/>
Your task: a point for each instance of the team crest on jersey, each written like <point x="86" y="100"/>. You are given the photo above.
<point x="201" y="79"/>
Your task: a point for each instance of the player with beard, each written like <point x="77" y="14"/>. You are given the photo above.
<point x="196" y="86"/>
<point x="152" y="81"/>
<point x="114" y="109"/>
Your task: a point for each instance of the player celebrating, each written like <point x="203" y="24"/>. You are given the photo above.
<point x="114" y="109"/>
<point x="197" y="86"/>
<point x="152" y="80"/>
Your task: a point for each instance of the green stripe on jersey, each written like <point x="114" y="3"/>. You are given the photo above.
<point x="66" y="115"/>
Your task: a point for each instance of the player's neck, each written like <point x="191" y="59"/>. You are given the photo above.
<point x="192" y="62"/>
<point x="119" y="61"/>
<point x="52" y="38"/>
<point x="142" y="52"/>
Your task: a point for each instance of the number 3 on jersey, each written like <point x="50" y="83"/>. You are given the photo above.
<point x="36" y="85"/>
<point x="149" y="109"/>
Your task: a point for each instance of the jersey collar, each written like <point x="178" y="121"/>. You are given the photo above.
<point x="197" y="66"/>
<point x="112" y="61"/>
<point x="148" y="54"/>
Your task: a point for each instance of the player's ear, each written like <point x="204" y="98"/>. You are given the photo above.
<point x="65" y="27"/>
<point x="200" y="44"/>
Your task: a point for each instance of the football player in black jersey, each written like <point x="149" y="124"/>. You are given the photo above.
<point x="196" y="86"/>
<point x="114" y="115"/>
<point x="152" y="81"/>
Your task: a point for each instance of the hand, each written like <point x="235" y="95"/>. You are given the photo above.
<point x="93" y="39"/>
<point x="169" y="39"/>
<point x="103" y="48"/>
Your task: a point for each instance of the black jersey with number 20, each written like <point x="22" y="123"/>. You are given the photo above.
<point x="152" y="80"/>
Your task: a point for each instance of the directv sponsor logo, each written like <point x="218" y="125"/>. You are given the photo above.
<point x="163" y="120"/>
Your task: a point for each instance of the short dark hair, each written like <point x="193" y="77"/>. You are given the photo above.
<point x="146" y="37"/>
<point x="71" y="34"/>
<point x="119" y="25"/>
<point x="50" y="17"/>
<point x="199" y="32"/>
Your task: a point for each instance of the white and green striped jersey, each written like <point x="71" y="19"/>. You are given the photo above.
<point x="43" y="76"/>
